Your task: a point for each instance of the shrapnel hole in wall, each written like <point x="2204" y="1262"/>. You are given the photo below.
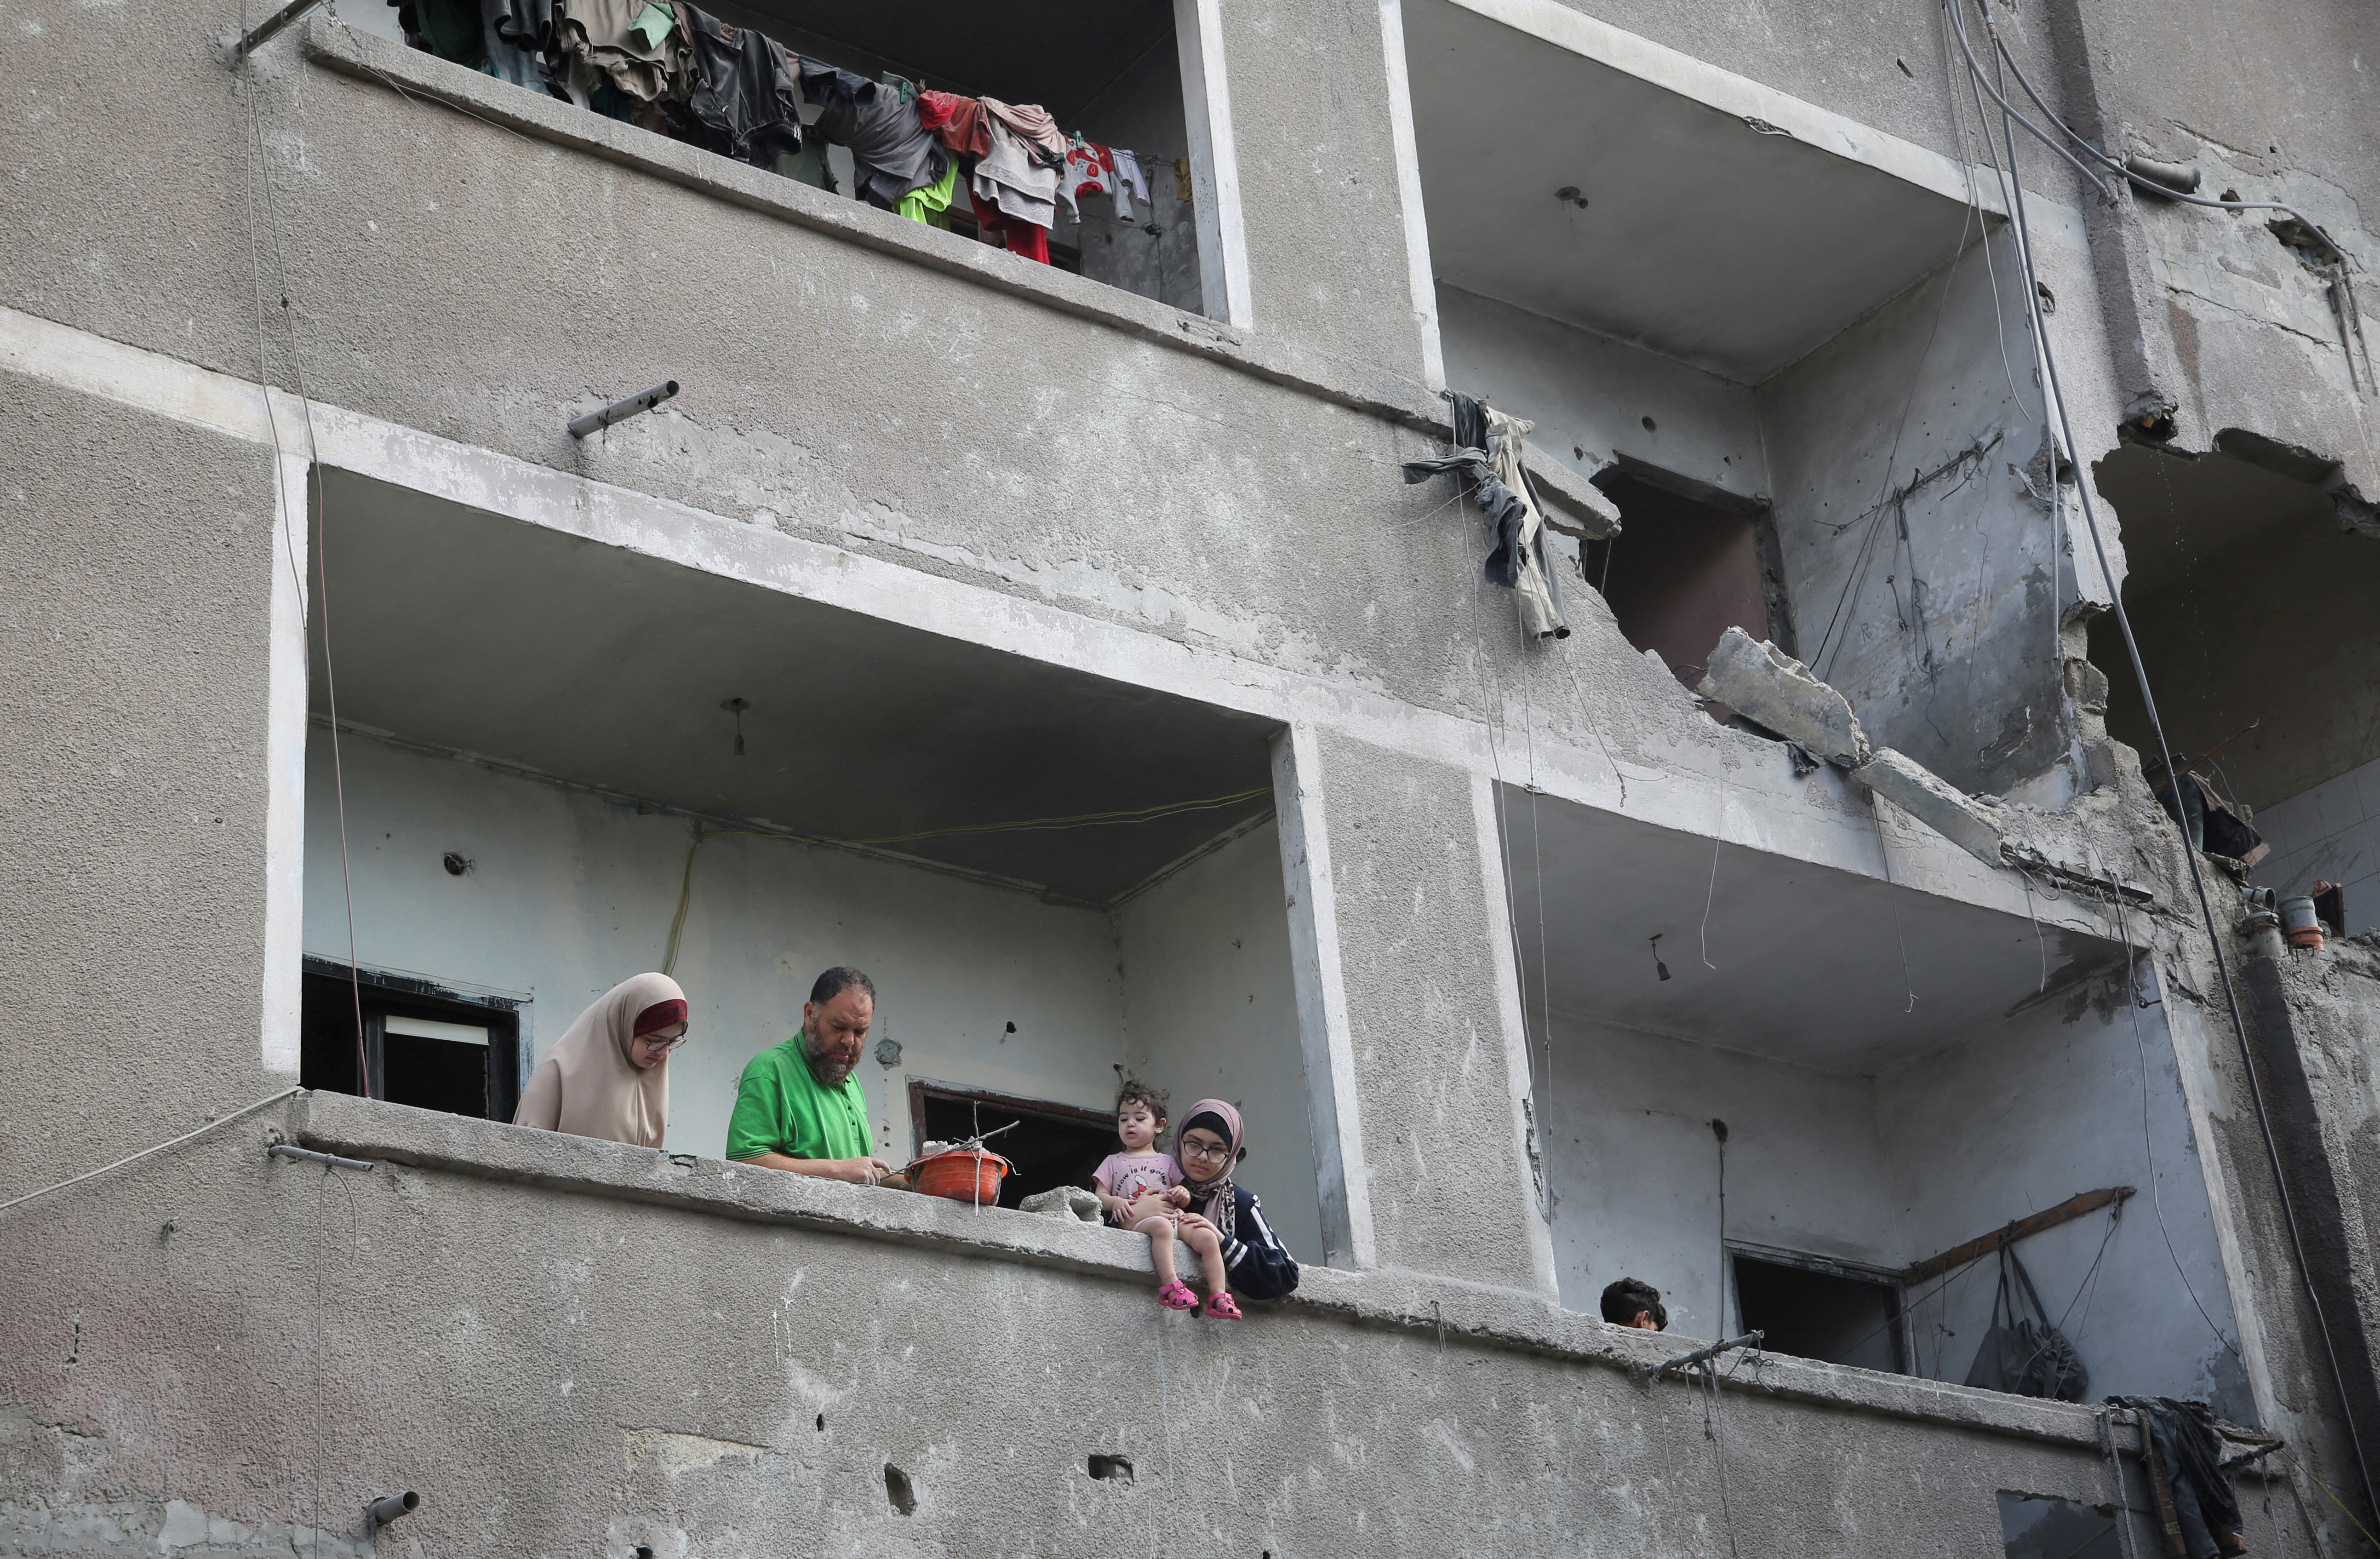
<point x="897" y="1489"/>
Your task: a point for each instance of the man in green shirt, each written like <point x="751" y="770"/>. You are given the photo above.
<point x="800" y="1106"/>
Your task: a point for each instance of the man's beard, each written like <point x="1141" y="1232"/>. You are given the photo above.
<point x="829" y="1070"/>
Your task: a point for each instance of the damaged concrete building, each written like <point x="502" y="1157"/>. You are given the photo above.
<point x="1698" y="831"/>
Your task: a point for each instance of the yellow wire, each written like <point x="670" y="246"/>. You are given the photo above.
<point x="1080" y="820"/>
<point x="2333" y="1498"/>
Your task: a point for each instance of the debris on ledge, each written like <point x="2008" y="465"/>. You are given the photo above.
<point x="1755" y="678"/>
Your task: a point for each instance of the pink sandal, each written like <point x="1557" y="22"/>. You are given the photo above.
<point x="1221" y="1308"/>
<point x="1176" y="1296"/>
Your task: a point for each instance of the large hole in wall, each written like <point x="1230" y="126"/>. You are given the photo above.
<point x="2252" y="604"/>
<point x="1680" y="573"/>
<point x="1050" y="876"/>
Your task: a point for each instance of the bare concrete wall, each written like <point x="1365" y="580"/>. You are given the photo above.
<point x="1591" y="397"/>
<point x="709" y="1379"/>
<point x="138" y="564"/>
<point x="1210" y="1012"/>
<point x="1932" y="611"/>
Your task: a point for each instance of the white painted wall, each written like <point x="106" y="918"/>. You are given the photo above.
<point x="1589" y="396"/>
<point x="1635" y="1165"/>
<point x="570" y="892"/>
<point x="1212" y="1014"/>
<point x="1889" y="1170"/>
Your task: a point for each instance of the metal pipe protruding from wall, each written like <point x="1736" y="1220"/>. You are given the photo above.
<point x="266" y="31"/>
<point x="388" y="1508"/>
<point x="621" y="410"/>
<point x="284" y="1150"/>
<point x="1749" y="1339"/>
<point x="2180" y="177"/>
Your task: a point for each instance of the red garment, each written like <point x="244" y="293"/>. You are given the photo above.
<point x="958" y="120"/>
<point x="661" y="1015"/>
<point x="1028" y="238"/>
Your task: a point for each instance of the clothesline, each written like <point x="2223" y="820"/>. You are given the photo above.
<point x="668" y="67"/>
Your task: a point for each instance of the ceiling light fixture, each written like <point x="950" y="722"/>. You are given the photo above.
<point x="1569" y="195"/>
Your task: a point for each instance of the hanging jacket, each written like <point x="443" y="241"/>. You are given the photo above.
<point x="2197" y="1507"/>
<point x="1260" y="1266"/>
<point x="744" y="96"/>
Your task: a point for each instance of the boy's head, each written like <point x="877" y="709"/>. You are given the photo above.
<point x="1632" y="1302"/>
<point x="1141" y="1115"/>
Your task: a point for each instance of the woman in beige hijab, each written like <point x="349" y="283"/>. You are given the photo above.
<point x="609" y="1076"/>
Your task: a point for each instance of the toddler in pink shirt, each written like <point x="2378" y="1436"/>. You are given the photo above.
<point x="1141" y="1188"/>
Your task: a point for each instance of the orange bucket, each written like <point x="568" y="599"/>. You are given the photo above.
<point x="970" y="1174"/>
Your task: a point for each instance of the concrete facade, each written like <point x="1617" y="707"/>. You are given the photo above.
<point x="1141" y="535"/>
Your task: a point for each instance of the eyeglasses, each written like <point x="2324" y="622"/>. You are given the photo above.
<point x="658" y="1045"/>
<point x="1200" y="1150"/>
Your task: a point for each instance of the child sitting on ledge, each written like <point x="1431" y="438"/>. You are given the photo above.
<point x="1141" y="1190"/>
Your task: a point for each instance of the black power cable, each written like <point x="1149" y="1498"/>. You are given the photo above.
<point x="2156" y="726"/>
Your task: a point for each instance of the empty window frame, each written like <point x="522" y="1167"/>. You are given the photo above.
<point x="1050" y="1145"/>
<point x="1684" y="570"/>
<point x="422" y="1043"/>
<point x="2038" y="1527"/>
<point x="1811" y="1307"/>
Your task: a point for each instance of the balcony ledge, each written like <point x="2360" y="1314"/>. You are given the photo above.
<point x="418" y="76"/>
<point x="1390" y="1298"/>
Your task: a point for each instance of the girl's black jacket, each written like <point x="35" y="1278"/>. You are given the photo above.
<point x="1260" y="1266"/>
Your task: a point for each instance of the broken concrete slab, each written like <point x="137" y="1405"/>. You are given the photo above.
<point x="1573" y="505"/>
<point x="1063" y="1201"/>
<point x="1757" y="680"/>
<point x="1925" y="796"/>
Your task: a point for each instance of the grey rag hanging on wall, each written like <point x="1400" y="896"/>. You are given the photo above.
<point x="1489" y="459"/>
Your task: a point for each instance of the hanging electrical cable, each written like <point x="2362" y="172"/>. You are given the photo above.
<point x="2055" y="399"/>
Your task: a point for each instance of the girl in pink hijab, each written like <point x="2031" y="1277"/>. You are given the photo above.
<point x="1226" y="1217"/>
<point x="609" y="1076"/>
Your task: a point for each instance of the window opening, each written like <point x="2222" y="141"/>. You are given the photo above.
<point x="1111" y="75"/>
<point x="424" y="1043"/>
<point x="1813" y="1308"/>
<point x="2035" y="1526"/>
<point x="1682" y="571"/>
<point x="1052" y="1145"/>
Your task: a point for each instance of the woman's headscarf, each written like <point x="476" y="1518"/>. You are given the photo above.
<point x="1223" y="1196"/>
<point x="590" y="1084"/>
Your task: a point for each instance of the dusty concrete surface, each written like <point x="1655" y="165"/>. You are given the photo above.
<point x="566" y="1350"/>
<point x="703" y="1384"/>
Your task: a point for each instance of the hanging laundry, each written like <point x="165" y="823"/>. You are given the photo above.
<point x="636" y="45"/>
<point x="1129" y="182"/>
<point x="1091" y="170"/>
<point x="449" y="29"/>
<point x="1489" y="454"/>
<point x="744" y="98"/>
<point x="807" y="167"/>
<point x="959" y="121"/>
<point x="1008" y="177"/>
<point x="523" y="24"/>
<point x="1034" y="126"/>
<point x="2197" y="1507"/>
<point x="931" y="204"/>
<point x="892" y="151"/>
<point x="1028" y="238"/>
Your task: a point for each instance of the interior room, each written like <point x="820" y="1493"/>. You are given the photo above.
<point x="2219" y="547"/>
<point x="558" y="764"/>
<point x="1798" y="361"/>
<point x="1802" y="1084"/>
<point x="1109" y="73"/>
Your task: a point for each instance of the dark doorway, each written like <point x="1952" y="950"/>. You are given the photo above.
<point x="1053" y="1144"/>
<point x="422" y="1043"/>
<point x="1679" y="574"/>
<point x="1821" y="1312"/>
